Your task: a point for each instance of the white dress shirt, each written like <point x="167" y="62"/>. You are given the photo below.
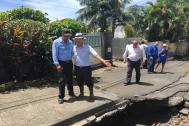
<point x="134" y="54"/>
<point x="82" y="55"/>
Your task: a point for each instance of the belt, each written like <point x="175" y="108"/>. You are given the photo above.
<point x="133" y="61"/>
<point x="80" y="67"/>
<point x="67" y="61"/>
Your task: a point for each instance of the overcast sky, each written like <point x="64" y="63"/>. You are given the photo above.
<point x="57" y="9"/>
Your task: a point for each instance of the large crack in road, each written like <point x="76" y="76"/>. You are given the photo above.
<point x="148" y="109"/>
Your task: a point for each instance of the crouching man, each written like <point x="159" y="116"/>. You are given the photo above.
<point x="83" y="70"/>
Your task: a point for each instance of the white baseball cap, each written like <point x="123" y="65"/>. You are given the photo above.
<point x="164" y="45"/>
<point x="79" y="35"/>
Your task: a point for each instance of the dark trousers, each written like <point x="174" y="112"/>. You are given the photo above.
<point x="83" y="76"/>
<point x="145" y="65"/>
<point x="136" y="66"/>
<point x="151" y="64"/>
<point x="66" y="77"/>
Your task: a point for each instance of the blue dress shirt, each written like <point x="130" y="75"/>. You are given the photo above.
<point x="62" y="50"/>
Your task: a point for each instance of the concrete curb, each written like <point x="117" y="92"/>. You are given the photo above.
<point x="78" y="115"/>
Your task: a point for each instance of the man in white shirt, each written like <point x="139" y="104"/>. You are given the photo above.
<point x="82" y="53"/>
<point x="134" y="56"/>
<point x="144" y="46"/>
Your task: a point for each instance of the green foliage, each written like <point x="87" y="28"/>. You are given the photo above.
<point x="129" y="30"/>
<point x="56" y="27"/>
<point x="25" y="43"/>
<point x="24" y="29"/>
<point x="167" y="20"/>
<point x="138" y="24"/>
<point x="3" y="16"/>
<point x="102" y="13"/>
<point x="162" y="20"/>
<point x="24" y="49"/>
<point x="25" y="13"/>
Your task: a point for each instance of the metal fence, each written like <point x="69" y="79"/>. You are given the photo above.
<point x="96" y="43"/>
<point x="181" y="49"/>
<point x="118" y="46"/>
<point x="177" y="49"/>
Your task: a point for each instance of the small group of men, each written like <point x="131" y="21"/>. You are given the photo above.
<point x="64" y="53"/>
<point x="156" y="56"/>
<point x="139" y="54"/>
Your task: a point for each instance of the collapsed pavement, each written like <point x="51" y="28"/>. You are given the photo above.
<point x="172" y="97"/>
<point x="143" y="112"/>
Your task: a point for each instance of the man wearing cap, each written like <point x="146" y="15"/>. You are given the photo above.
<point x="82" y="52"/>
<point x="162" y="58"/>
<point x="62" y="53"/>
<point x="135" y="57"/>
<point x="152" y="57"/>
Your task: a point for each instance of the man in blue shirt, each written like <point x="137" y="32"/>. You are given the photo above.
<point x="62" y="53"/>
<point x="152" y="53"/>
<point x="82" y="53"/>
<point x="162" y="58"/>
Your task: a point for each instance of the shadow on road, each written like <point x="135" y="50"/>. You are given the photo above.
<point x="96" y="79"/>
<point x="142" y="84"/>
<point x="145" y="84"/>
<point x="86" y="98"/>
<point x="164" y="73"/>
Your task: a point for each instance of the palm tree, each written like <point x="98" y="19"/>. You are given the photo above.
<point x="117" y="12"/>
<point x="94" y="13"/>
<point x="167" y="19"/>
<point x="138" y="23"/>
<point x="103" y="12"/>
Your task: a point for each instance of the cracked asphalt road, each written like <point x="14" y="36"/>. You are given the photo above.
<point x="39" y="106"/>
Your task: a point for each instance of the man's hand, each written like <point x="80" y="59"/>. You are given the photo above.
<point x="125" y="61"/>
<point x="105" y="62"/>
<point x="59" y="68"/>
<point x="141" y="66"/>
<point x="108" y="64"/>
<point x="151" y="58"/>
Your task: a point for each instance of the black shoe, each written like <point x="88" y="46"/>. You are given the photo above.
<point x="127" y="83"/>
<point x="138" y="82"/>
<point x="72" y="95"/>
<point x="154" y="72"/>
<point x="91" y="98"/>
<point x="81" y="95"/>
<point x="60" y="101"/>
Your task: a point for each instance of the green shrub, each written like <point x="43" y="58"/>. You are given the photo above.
<point x="3" y="15"/>
<point x="56" y="27"/>
<point x="25" y="43"/>
<point x="25" y="49"/>
<point x="25" y="13"/>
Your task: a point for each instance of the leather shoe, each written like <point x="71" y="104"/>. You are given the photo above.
<point x="60" y="101"/>
<point x="72" y="95"/>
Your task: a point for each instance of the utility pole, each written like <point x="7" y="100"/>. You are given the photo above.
<point x="106" y="38"/>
